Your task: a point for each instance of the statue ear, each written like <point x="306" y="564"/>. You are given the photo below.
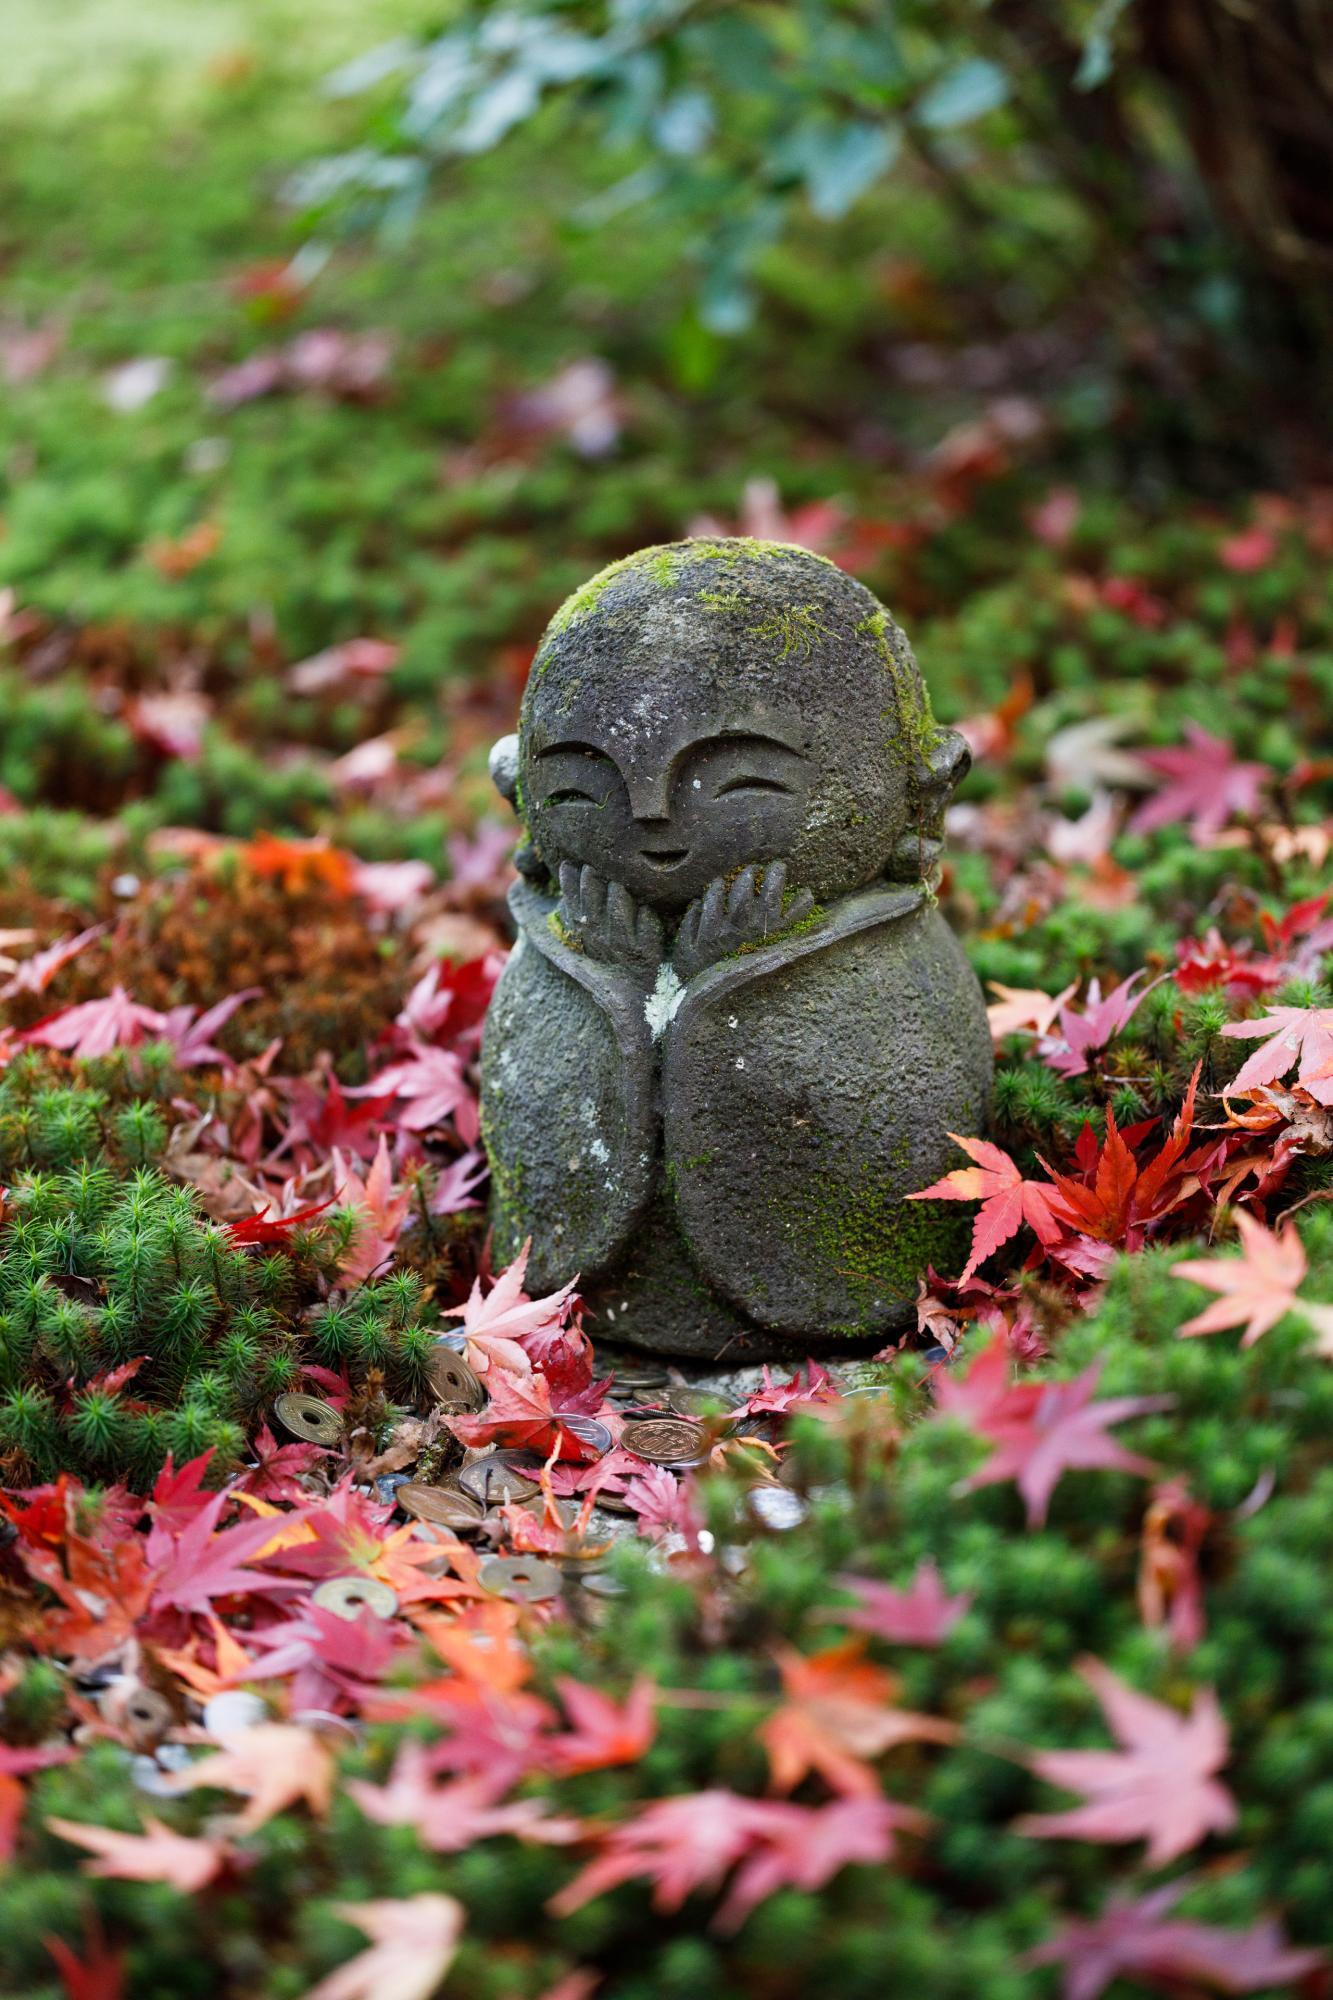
<point x="504" y="769"/>
<point x="947" y="762"/>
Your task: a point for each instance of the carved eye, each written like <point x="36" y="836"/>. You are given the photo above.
<point x="569" y="795"/>
<point x="754" y="785"/>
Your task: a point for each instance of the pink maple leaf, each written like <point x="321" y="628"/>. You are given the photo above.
<point x="803" y="1847"/>
<point x="456" y="1185"/>
<point x="1041" y="1430"/>
<point x="193" y="1039"/>
<point x="1205" y="785"/>
<point x="1143" y="1941"/>
<point x="1081" y="1034"/>
<point x="1291" y="1035"/>
<point x="498" y="1322"/>
<point x="204" y="1562"/>
<point x="95" y="1027"/>
<point x="381" y="1210"/>
<point x="809" y="1384"/>
<point x="431" y="1083"/>
<point x="1160" y="1786"/>
<point x="922" y="1615"/>
<point x="159" y="1855"/>
<point x="36" y="973"/>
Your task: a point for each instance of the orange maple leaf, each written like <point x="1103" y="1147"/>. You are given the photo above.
<point x="273" y="1765"/>
<point x="299" y="864"/>
<point x="838" y="1714"/>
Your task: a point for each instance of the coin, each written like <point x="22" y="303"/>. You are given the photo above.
<point x="497" y="1477"/>
<point x="446" y="1506"/>
<point x="601" y="1583"/>
<point x="776" y="1507"/>
<point x="232" y="1712"/>
<point x="596" y="1436"/>
<point x="522" y="1579"/>
<point x="454" y="1382"/>
<point x="665" y="1440"/>
<point x="308" y="1417"/>
<point x="349" y="1596"/>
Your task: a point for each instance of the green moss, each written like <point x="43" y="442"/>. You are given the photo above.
<point x="873" y="1240"/>
<point x="796" y="629"/>
<point x="665" y="563"/>
<point x="561" y="932"/>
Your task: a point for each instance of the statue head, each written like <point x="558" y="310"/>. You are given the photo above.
<point x="708" y="704"/>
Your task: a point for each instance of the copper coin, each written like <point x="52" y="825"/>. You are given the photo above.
<point x="497" y="1478"/>
<point x="589" y="1431"/>
<point x="445" y="1506"/>
<point x="308" y="1417"/>
<point x="522" y="1579"/>
<point x="457" y="1387"/>
<point x="665" y="1440"/>
<point x="349" y="1596"/>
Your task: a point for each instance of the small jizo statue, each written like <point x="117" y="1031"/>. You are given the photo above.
<point x="735" y="1030"/>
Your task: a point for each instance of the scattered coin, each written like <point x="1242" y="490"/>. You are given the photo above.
<point x="523" y="1580"/>
<point x="445" y="1506"/>
<point x="666" y="1440"/>
<point x="601" y="1583"/>
<point x="457" y="1387"/>
<point x="308" y="1417"/>
<point x="776" y="1507"/>
<point x="234" y="1711"/>
<point x="589" y="1431"/>
<point x="349" y="1596"/>
<point x="499" y="1477"/>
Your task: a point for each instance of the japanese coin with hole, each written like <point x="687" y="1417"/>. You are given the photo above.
<point x="349" y="1596"/>
<point x="590" y="1432"/>
<point x="665" y="1440"/>
<point x="496" y="1478"/>
<point x="457" y="1387"/>
<point x="308" y="1417"/>
<point x="776" y="1507"/>
<point x="442" y="1506"/>
<point x="521" y="1579"/>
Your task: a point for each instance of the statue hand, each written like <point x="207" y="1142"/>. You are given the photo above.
<point x="603" y="919"/>
<point x="725" y="920"/>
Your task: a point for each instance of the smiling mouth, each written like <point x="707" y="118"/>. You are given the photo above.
<point x="664" y="857"/>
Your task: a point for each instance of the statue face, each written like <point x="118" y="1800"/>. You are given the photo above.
<point x="667" y="818"/>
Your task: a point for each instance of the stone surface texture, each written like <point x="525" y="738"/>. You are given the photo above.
<point x="735" y="1030"/>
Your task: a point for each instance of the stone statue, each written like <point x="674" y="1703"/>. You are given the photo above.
<point x="735" y="1029"/>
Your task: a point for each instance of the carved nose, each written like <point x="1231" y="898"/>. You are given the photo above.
<point x="650" y="801"/>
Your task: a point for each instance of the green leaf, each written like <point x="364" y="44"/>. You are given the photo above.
<point x="841" y="162"/>
<point x="969" y="91"/>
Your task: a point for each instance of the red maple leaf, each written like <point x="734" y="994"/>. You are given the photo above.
<point x="1007" y="1200"/>
<point x="1118" y="1200"/>
<point x="1205" y="785"/>
<point x="1143" y="1941"/>
<point x="604" y="1732"/>
<point x="99" y="1976"/>
<point x="277" y="1229"/>
<point x="1160" y="1786"/>
<point x="280" y="1469"/>
<point x="521" y="1413"/>
<point x="681" y="1845"/>
<point x="922" y="1615"/>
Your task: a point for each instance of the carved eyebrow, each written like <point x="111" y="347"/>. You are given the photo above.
<point x="572" y="745"/>
<point x="759" y="737"/>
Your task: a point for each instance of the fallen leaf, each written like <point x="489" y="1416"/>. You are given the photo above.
<point x="413" y="1943"/>
<point x="158" y="1855"/>
<point x="1160" y="1786"/>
